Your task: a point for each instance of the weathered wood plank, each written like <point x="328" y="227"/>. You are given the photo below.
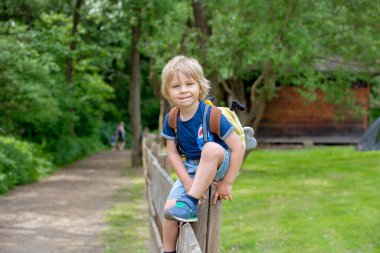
<point x="187" y="242"/>
<point x="152" y="211"/>
<point x="155" y="239"/>
<point x="161" y="185"/>
<point x="207" y="229"/>
<point x="154" y="161"/>
<point x="162" y="159"/>
<point x="214" y="223"/>
<point x="200" y="227"/>
<point x="145" y="163"/>
<point x="155" y="149"/>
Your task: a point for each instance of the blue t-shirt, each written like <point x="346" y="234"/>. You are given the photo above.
<point x="190" y="132"/>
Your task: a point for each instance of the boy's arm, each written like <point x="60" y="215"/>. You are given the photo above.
<point x="177" y="163"/>
<point x="237" y="155"/>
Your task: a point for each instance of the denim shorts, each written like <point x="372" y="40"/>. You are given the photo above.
<point x="178" y="190"/>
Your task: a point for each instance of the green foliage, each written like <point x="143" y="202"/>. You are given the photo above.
<point x="150" y="110"/>
<point x="374" y="114"/>
<point x="91" y="95"/>
<point x="36" y="103"/>
<point x="35" y="99"/>
<point x="66" y="149"/>
<point x="24" y="10"/>
<point x="165" y="20"/>
<point x="293" y="35"/>
<point x="21" y="162"/>
<point x="375" y="99"/>
<point x="26" y="89"/>
<point x="316" y="45"/>
<point x="299" y="39"/>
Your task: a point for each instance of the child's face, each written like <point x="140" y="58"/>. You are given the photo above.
<point x="183" y="91"/>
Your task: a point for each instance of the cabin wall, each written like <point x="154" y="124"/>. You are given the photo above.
<point x="289" y="115"/>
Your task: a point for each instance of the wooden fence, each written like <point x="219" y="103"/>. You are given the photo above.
<point x="199" y="237"/>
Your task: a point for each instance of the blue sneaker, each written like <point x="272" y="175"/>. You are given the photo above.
<point x="184" y="210"/>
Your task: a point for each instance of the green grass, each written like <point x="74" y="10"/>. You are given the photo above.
<point x="127" y="219"/>
<point x="308" y="200"/>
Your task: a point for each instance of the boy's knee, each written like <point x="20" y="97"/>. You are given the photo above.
<point x="212" y="150"/>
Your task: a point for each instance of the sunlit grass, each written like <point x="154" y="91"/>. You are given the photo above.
<point x="127" y="230"/>
<point x="307" y="200"/>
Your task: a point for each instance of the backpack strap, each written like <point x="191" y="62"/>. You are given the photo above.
<point x="173" y="118"/>
<point x="214" y="121"/>
<point x="204" y="123"/>
<point x="173" y="123"/>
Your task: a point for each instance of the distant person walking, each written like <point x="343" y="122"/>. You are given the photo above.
<point x="113" y="141"/>
<point x="120" y="136"/>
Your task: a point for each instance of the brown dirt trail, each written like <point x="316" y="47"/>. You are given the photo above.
<point x="64" y="213"/>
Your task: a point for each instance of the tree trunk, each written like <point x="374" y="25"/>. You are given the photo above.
<point x="201" y="22"/>
<point x="257" y="104"/>
<point x="164" y="109"/>
<point x="73" y="43"/>
<point x="135" y="96"/>
<point x="153" y="77"/>
<point x="201" y="18"/>
<point x="238" y="94"/>
<point x="164" y="105"/>
<point x="216" y="87"/>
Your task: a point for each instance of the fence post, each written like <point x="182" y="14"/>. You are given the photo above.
<point x="207" y="229"/>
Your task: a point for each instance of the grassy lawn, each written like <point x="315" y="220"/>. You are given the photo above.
<point x="308" y="200"/>
<point x="127" y="219"/>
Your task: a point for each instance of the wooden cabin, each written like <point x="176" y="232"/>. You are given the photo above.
<point x="289" y="118"/>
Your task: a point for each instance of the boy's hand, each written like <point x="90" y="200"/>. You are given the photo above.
<point x="223" y="191"/>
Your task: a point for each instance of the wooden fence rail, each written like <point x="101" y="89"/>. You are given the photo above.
<point x="199" y="237"/>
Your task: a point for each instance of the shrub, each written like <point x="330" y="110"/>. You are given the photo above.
<point x="20" y="163"/>
<point x="67" y="149"/>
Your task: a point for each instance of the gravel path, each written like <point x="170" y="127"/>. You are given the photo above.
<point x="64" y="213"/>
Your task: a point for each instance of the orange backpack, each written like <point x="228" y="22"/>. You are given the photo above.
<point x="245" y="133"/>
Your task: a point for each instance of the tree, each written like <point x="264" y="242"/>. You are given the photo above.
<point x="156" y="33"/>
<point x="135" y="95"/>
<point x="269" y="44"/>
<point x="166" y="37"/>
<point x="36" y="102"/>
<point x="73" y="42"/>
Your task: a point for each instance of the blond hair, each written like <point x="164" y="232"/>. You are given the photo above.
<point x="190" y="67"/>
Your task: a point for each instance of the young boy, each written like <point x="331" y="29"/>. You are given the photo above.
<point x="197" y="164"/>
